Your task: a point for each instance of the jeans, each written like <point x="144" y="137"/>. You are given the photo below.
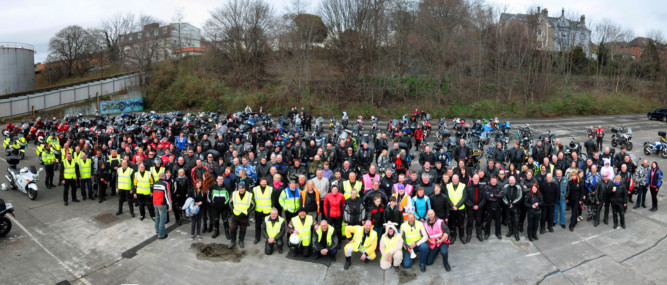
<point x="160" y="219"/>
<point x="641" y="196"/>
<point x="86" y="183"/>
<point x="378" y="230"/>
<point x="422" y="249"/>
<point x="443" y="249"/>
<point x="560" y="212"/>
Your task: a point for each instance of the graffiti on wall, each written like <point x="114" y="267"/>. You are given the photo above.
<point x="129" y="105"/>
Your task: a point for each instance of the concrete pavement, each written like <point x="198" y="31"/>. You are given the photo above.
<point x="50" y="243"/>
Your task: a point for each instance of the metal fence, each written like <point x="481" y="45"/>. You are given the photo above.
<point x="55" y="98"/>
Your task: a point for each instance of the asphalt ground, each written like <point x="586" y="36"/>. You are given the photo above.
<point x="50" y="243"/>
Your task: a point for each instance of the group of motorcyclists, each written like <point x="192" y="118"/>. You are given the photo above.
<point x="358" y="189"/>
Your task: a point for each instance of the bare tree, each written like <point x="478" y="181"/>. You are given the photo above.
<point x="72" y="46"/>
<point x="241" y="30"/>
<point x="113" y="28"/>
<point x="146" y="44"/>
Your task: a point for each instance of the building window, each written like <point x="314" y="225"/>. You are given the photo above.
<point x="539" y="44"/>
<point x="539" y="32"/>
<point x="138" y="36"/>
<point x="156" y="32"/>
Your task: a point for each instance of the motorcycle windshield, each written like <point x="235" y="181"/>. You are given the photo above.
<point x="629" y="131"/>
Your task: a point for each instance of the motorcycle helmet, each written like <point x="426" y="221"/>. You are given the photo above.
<point x="40" y="139"/>
<point x="4" y="187"/>
<point x="158" y="162"/>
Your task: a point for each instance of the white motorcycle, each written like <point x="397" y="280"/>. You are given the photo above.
<point x="25" y="179"/>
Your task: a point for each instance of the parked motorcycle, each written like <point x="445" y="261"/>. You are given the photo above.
<point x="657" y="147"/>
<point x="25" y="179"/>
<point x="5" y="223"/>
<point x="621" y="138"/>
<point x="573" y="146"/>
<point x="15" y="146"/>
<point x="344" y="119"/>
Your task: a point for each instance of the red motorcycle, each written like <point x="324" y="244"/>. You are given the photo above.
<point x="9" y="129"/>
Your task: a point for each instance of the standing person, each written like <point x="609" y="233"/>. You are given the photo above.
<point x="262" y="194"/>
<point x="241" y="204"/>
<point x="575" y="189"/>
<point x="334" y="204"/>
<point x="438" y="239"/>
<point x="414" y="238"/>
<point x="375" y="213"/>
<point x="68" y="177"/>
<point x="181" y="189"/>
<point x="392" y="213"/>
<point x="162" y="204"/>
<point x="218" y="199"/>
<point x="310" y="199"/>
<point x="475" y="201"/>
<point x="273" y="230"/>
<point x="49" y="160"/>
<point x="654" y="183"/>
<point x="602" y="199"/>
<point x="143" y="183"/>
<point x="422" y="204"/>
<point x="550" y="196"/>
<point x="640" y="178"/>
<point x="391" y="244"/>
<point x="301" y="226"/>
<point x="114" y="162"/>
<point x="439" y="203"/>
<point x="85" y="166"/>
<point x="124" y="187"/>
<point x="618" y="195"/>
<point x="290" y="200"/>
<point x="404" y="201"/>
<point x="532" y="202"/>
<point x="513" y="196"/>
<point x="325" y="242"/>
<point x="103" y="177"/>
<point x="559" y="211"/>
<point x="457" y="212"/>
<point x="198" y="195"/>
<point x="494" y="196"/>
<point x="599" y="134"/>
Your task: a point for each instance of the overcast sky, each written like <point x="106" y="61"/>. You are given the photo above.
<point x="36" y="21"/>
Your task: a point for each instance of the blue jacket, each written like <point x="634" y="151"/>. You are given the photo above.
<point x="422" y="205"/>
<point x="181" y="143"/>
<point x="592" y="181"/>
<point x="659" y="178"/>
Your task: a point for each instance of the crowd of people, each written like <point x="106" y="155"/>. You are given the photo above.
<point x="321" y="199"/>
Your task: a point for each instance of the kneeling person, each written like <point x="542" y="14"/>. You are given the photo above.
<point x="325" y="241"/>
<point x="438" y="238"/>
<point x="301" y="226"/>
<point x="364" y="241"/>
<point x="273" y="230"/>
<point x="391" y="244"/>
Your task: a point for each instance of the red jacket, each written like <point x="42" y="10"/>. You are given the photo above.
<point x="419" y="134"/>
<point x="333" y="205"/>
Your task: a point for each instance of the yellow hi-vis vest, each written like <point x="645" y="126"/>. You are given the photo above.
<point x="367" y="243"/>
<point x="330" y="232"/>
<point x="156" y="174"/>
<point x="143" y="183"/>
<point x="241" y="206"/>
<point x="125" y="179"/>
<point x="412" y="234"/>
<point x="303" y="229"/>
<point x="70" y="170"/>
<point x="455" y="195"/>
<point x="390" y="243"/>
<point x="263" y="200"/>
<point x="347" y="188"/>
<point x="273" y="229"/>
<point x="85" y="168"/>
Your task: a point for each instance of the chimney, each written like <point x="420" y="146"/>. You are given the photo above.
<point x="538" y="9"/>
<point x="545" y="12"/>
<point x="562" y="12"/>
<point x="583" y="20"/>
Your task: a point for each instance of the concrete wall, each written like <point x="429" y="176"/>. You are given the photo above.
<point x="17" y="68"/>
<point x="65" y="96"/>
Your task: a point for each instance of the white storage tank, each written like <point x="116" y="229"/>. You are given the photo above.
<point x="17" y="67"/>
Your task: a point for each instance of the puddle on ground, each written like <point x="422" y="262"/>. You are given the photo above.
<point x="405" y="276"/>
<point x="217" y="252"/>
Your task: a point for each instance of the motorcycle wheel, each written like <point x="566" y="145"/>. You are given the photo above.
<point x="21" y="155"/>
<point x="663" y="154"/>
<point x="5" y="226"/>
<point x="647" y="151"/>
<point x="628" y="146"/>
<point x="613" y="143"/>
<point x="32" y="194"/>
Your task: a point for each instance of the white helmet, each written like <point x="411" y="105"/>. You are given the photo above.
<point x="3" y="187"/>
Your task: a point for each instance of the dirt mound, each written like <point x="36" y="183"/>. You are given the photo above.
<point x="405" y="276"/>
<point x="217" y="252"/>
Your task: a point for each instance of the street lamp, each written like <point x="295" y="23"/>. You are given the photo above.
<point x="49" y="77"/>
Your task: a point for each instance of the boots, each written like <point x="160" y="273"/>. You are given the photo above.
<point x="622" y="220"/>
<point x="241" y="237"/>
<point x="615" y="218"/>
<point x="216" y="233"/>
<point x="233" y="234"/>
<point x="520" y="227"/>
<point x="542" y="230"/>
<point x="516" y="234"/>
<point x="510" y="232"/>
<point x="225" y="224"/>
<point x="452" y="237"/>
<point x="348" y="262"/>
<point x="205" y="229"/>
<point x="535" y="236"/>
